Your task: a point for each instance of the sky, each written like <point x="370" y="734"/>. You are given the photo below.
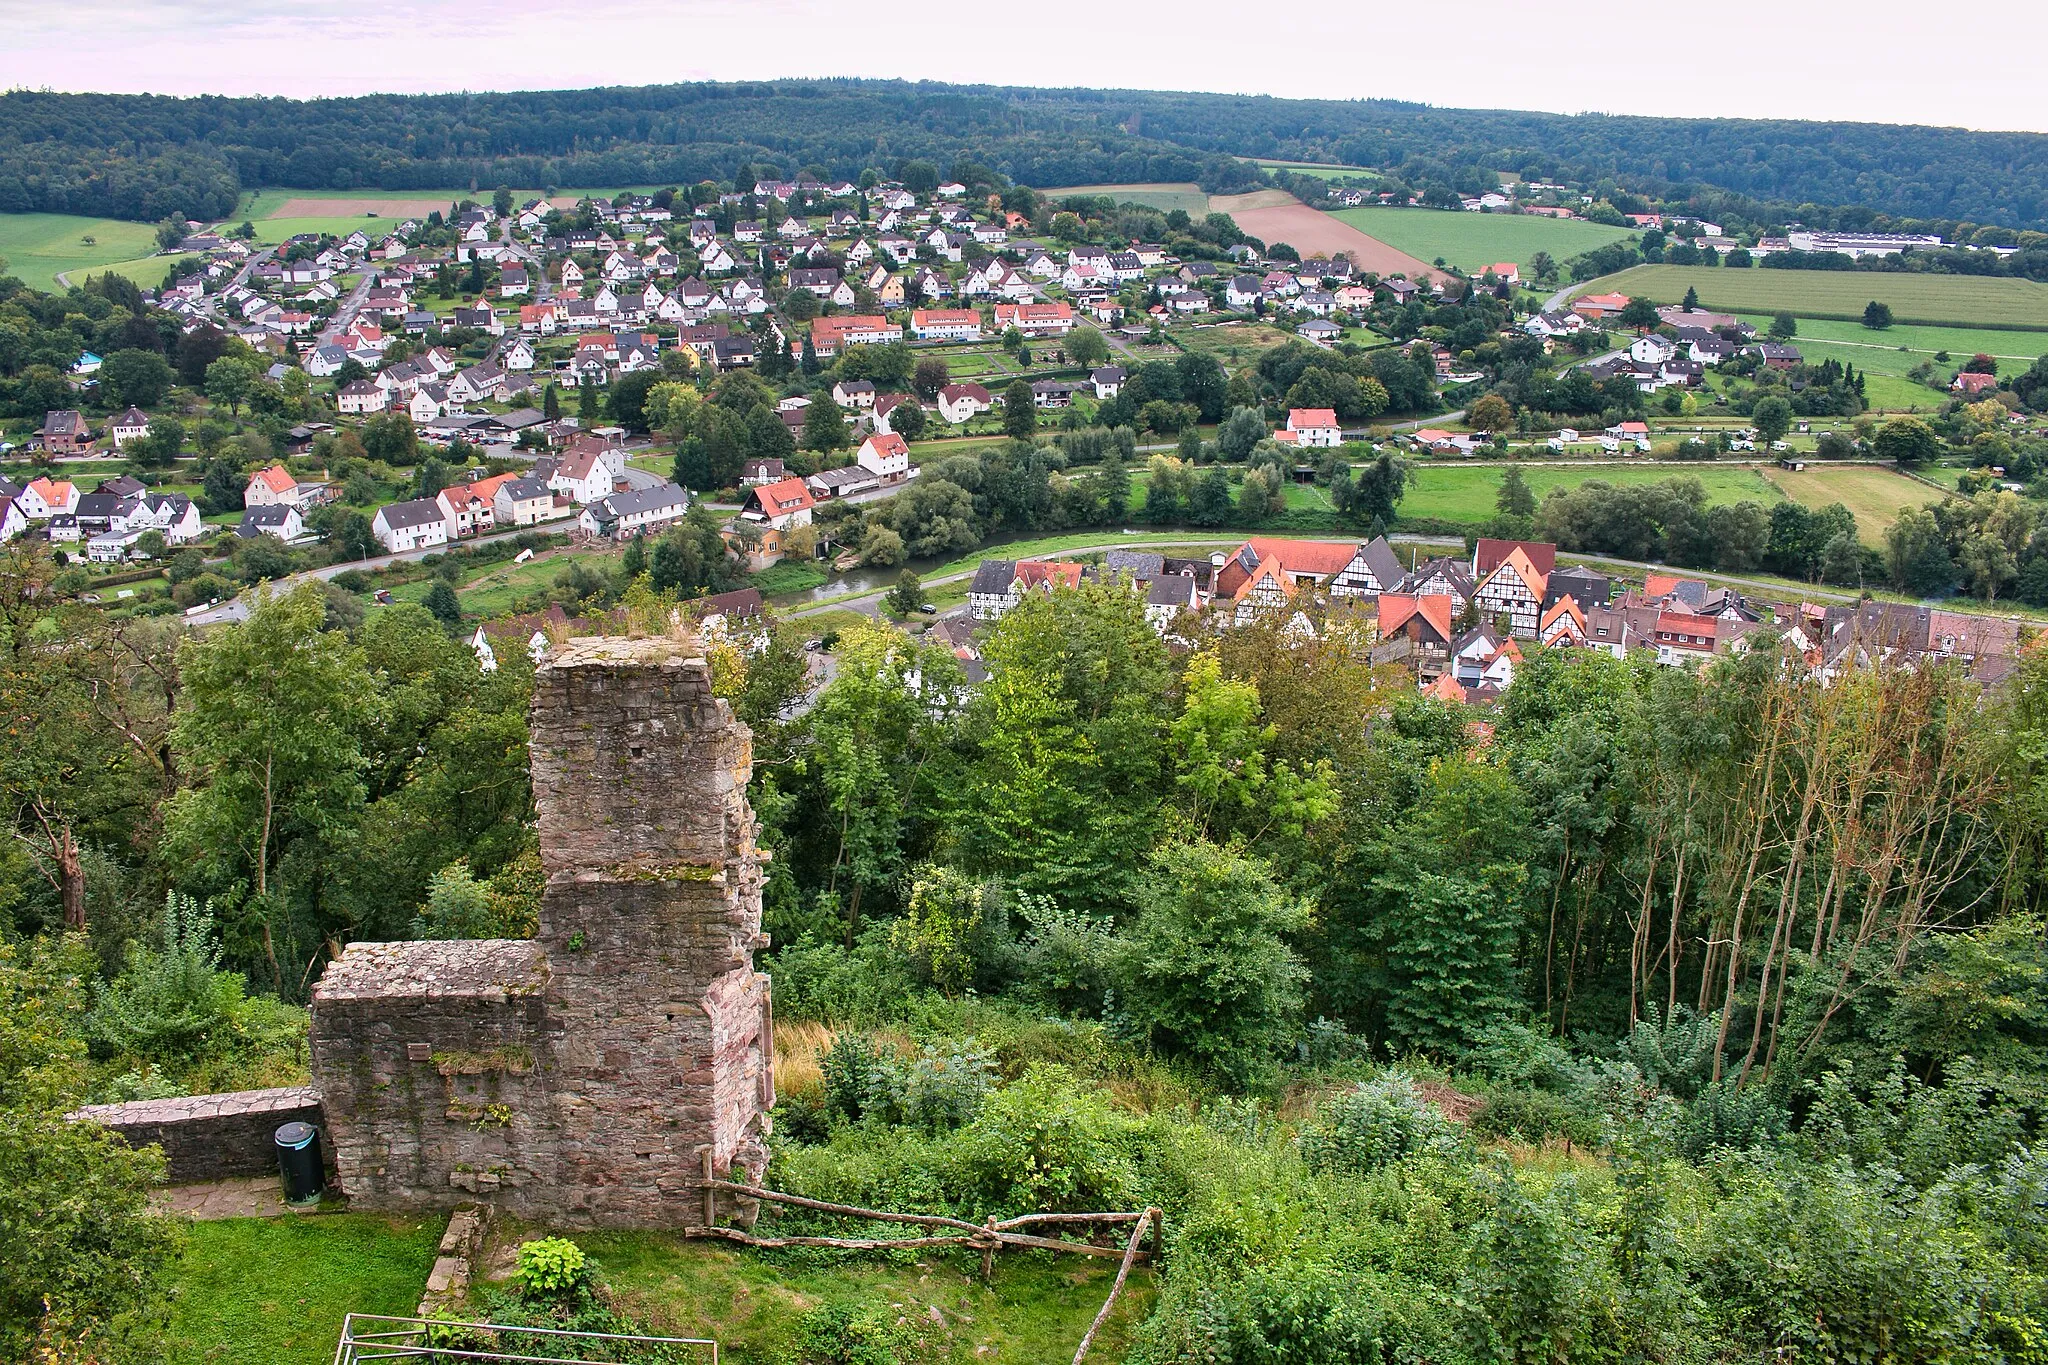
<point x="1882" y="61"/>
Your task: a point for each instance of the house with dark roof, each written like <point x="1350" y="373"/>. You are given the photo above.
<point x="272" y="519"/>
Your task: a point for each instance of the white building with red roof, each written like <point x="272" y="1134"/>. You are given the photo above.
<point x="1311" y="427"/>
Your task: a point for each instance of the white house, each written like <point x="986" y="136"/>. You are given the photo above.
<point x="885" y="454"/>
<point x="589" y="471"/>
<point x="1313" y="427"/>
<point x="637" y="511"/>
<point x="273" y="519"/>
<point x="131" y="425"/>
<point x="414" y="525"/>
<point x="173" y="514"/>
<point x="959" y="402"/>
<point x="525" y="502"/>
<point x="45" y="498"/>
<point x="360" y="397"/>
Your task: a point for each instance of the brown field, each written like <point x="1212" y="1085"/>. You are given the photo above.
<point x="1257" y="199"/>
<point x="1315" y="233"/>
<point x="356" y="208"/>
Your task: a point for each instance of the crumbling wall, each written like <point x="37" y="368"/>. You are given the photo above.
<point x="212" y="1137"/>
<point x="651" y="917"/>
<point x="581" y="1077"/>
<point x="428" y="1057"/>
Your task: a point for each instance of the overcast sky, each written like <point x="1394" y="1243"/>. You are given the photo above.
<point x="1882" y="61"/>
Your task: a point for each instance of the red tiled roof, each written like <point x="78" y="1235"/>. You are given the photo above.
<point x="1488" y="555"/>
<point x="784" y="496"/>
<point x="1300" y="418"/>
<point x="1051" y="573"/>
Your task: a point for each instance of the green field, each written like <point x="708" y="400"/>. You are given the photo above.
<point x="1887" y="356"/>
<point x="1319" y="170"/>
<point x="1164" y="197"/>
<point x="1473" y="241"/>
<point x="40" y="246"/>
<point x="273" y="1291"/>
<point x="1935" y="300"/>
<point x="1238" y="343"/>
<point x="1465" y="493"/>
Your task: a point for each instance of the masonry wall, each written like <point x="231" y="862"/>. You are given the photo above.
<point x="214" y="1137"/>
<point x="429" y="1058"/>
<point x="579" y="1078"/>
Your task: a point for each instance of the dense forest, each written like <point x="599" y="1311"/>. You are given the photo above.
<point x="142" y="156"/>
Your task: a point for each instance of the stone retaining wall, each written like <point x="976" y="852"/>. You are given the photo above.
<point x="214" y="1137"/>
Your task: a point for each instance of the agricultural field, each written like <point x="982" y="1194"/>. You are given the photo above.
<point x="1313" y="232"/>
<point x="38" y="247"/>
<point x="1165" y="197"/>
<point x="1933" y="300"/>
<point x="1319" y="169"/>
<point x="1889" y="355"/>
<point x="1875" y="496"/>
<point x="1466" y="493"/>
<point x="1473" y="241"/>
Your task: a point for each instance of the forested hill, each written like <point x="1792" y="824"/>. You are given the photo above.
<point x="142" y="156"/>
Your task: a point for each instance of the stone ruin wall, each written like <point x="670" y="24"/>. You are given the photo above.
<point x="579" y="1077"/>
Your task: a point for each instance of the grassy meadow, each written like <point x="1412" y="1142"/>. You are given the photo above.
<point x="1966" y="301"/>
<point x="1887" y="356"/>
<point x="1473" y="241"/>
<point x="38" y="247"/>
<point x="1165" y="197"/>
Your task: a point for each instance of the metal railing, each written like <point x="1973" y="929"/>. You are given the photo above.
<point x="367" y="1338"/>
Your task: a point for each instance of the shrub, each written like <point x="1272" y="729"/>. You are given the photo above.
<point x="1379" y="1122"/>
<point x="171" y="1003"/>
<point x="863" y="1334"/>
<point x="554" y="1269"/>
<point x="1532" y="1116"/>
<point x="1047" y="1145"/>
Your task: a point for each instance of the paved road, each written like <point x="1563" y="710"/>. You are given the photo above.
<point x="238" y="608"/>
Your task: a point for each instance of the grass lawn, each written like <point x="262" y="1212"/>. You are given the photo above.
<point x="1876" y="496"/>
<point x="1473" y="241"/>
<point x="1034" y="1311"/>
<point x="1966" y="301"/>
<point x="271" y="230"/>
<point x="273" y="1291"/>
<point x="492" y="590"/>
<point x="789" y="577"/>
<point x="40" y="246"/>
<point x="1164" y="197"/>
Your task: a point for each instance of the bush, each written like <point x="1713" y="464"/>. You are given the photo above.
<point x="1047" y="1145"/>
<point x="554" y="1269"/>
<point x="1534" y="1115"/>
<point x="171" y="1003"/>
<point x="1376" y="1124"/>
<point x="864" y="1334"/>
<point x="939" y="1088"/>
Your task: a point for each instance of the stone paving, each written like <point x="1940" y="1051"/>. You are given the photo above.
<point x="256" y="1196"/>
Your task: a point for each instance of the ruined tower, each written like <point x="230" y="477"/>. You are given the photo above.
<point x="579" y="1076"/>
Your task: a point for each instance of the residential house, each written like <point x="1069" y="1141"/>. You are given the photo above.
<point x="1311" y="428"/>
<point x="172" y="514"/>
<point x="272" y="519"/>
<point x="1267" y="574"/>
<point x="131" y="425"/>
<point x="1415" y="629"/>
<point x="415" y="525"/>
<point x="590" y="470"/>
<point x="527" y="502"/>
<point x="1515" y="590"/>
<point x="946" y="324"/>
<point x="1000" y="584"/>
<point x="886" y="455"/>
<point x="960" y="402"/>
<point x="830" y="335"/>
<point x="635" y="512"/>
<point x="361" y="398"/>
<point x="1374" y="569"/>
<point x="46" y="497"/>
<point x="1108" y="381"/>
<point x="856" y="394"/>
<point x="1447" y="578"/>
<point x="64" y="431"/>
<point x="1036" y="319"/>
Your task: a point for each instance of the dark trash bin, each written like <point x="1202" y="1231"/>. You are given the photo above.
<point x="298" y="1161"/>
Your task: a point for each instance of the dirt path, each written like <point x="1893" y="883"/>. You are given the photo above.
<point x="1315" y="233"/>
